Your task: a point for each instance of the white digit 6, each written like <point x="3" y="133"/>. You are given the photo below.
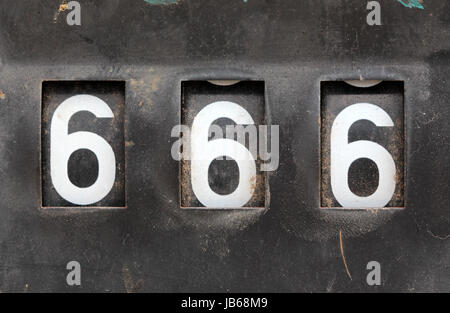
<point x="62" y="145"/>
<point x="343" y="154"/>
<point x="203" y="152"/>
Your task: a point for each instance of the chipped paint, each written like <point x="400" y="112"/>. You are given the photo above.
<point x="412" y="3"/>
<point x="161" y="2"/>
<point x="62" y="7"/>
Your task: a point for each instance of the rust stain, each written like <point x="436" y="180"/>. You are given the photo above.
<point x="2" y="95"/>
<point x="136" y="83"/>
<point x="341" y="245"/>
<point x="155" y="83"/>
<point x="62" y="8"/>
<point x="129" y="144"/>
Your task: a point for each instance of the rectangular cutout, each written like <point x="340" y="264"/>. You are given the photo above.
<point x="362" y="145"/>
<point x="222" y="177"/>
<point x="83" y="144"/>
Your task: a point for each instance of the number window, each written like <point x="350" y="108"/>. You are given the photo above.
<point x="222" y="171"/>
<point x="83" y="156"/>
<point x="362" y="145"/>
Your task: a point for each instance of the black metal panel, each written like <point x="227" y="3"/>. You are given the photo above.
<point x="291" y="246"/>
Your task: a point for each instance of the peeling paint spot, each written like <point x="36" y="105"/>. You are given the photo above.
<point x="412" y="3"/>
<point x="161" y="2"/>
<point x="62" y="7"/>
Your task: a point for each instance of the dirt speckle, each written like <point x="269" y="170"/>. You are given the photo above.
<point x="129" y="284"/>
<point x="186" y="195"/>
<point x="252" y="184"/>
<point x="155" y="83"/>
